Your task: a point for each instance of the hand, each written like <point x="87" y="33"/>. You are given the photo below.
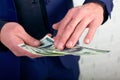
<point x="71" y="27"/>
<point x="12" y="34"/>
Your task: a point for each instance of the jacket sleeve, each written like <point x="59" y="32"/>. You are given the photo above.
<point x="107" y="6"/>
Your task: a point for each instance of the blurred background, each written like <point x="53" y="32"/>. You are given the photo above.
<point x="107" y="66"/>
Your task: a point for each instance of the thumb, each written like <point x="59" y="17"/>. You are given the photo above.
<point x="28" y="39"/>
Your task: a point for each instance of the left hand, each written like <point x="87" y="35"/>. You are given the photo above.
<point x="71" y="27"/>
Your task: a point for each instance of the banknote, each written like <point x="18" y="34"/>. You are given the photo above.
<point x="47" y="49"/>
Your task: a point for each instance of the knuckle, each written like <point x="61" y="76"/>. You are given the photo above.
<point x="71" y="10"/>
<point x="70" y="27"/>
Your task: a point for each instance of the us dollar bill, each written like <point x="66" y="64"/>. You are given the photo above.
<point x="47" y="49"/>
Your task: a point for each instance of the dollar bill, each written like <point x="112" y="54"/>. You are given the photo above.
<point x="47" y="49"/>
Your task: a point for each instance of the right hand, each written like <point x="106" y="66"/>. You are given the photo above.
<point x="12" y="34"/>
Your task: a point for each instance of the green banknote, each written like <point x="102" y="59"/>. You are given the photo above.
<point x="47" y="49"/>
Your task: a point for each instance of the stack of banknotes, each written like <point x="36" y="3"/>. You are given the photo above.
<point x="47" y="49"/>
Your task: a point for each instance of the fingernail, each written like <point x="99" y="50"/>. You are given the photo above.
<point x="36" y="43"/>
<point x="87" y="41"/>
<point x="69" y="44"/>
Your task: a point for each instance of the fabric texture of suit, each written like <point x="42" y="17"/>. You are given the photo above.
<point x="8" y="13"/>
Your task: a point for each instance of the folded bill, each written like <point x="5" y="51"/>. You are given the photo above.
<point x="47" y="49"/>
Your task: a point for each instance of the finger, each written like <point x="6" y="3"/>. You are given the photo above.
<point x="28" y="39"/>
<point x="65" y="35"/>
<point x="65" y="20"/>
<point x="15" y="41"/>
<point x="22" y="52"/>
<point x="68" y="31"/>
<point x="55" y="26"/>
<point x="78" y="32"/>
<point x="18" y="51"/>
<point x="92" y="29"/>
<point x="31" y="55"/>
<point x="14" y="47"/>
<point x="35" y="56"/>
<point x="62" y="25"/>
<point x="58" y="35"/>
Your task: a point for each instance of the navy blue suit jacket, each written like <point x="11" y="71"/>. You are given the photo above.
<point x="8" y="13"/>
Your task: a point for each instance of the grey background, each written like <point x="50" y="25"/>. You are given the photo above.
<point x="107" y="66"/>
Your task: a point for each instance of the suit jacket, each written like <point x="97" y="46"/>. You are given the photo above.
<point x="8" y="13"/>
